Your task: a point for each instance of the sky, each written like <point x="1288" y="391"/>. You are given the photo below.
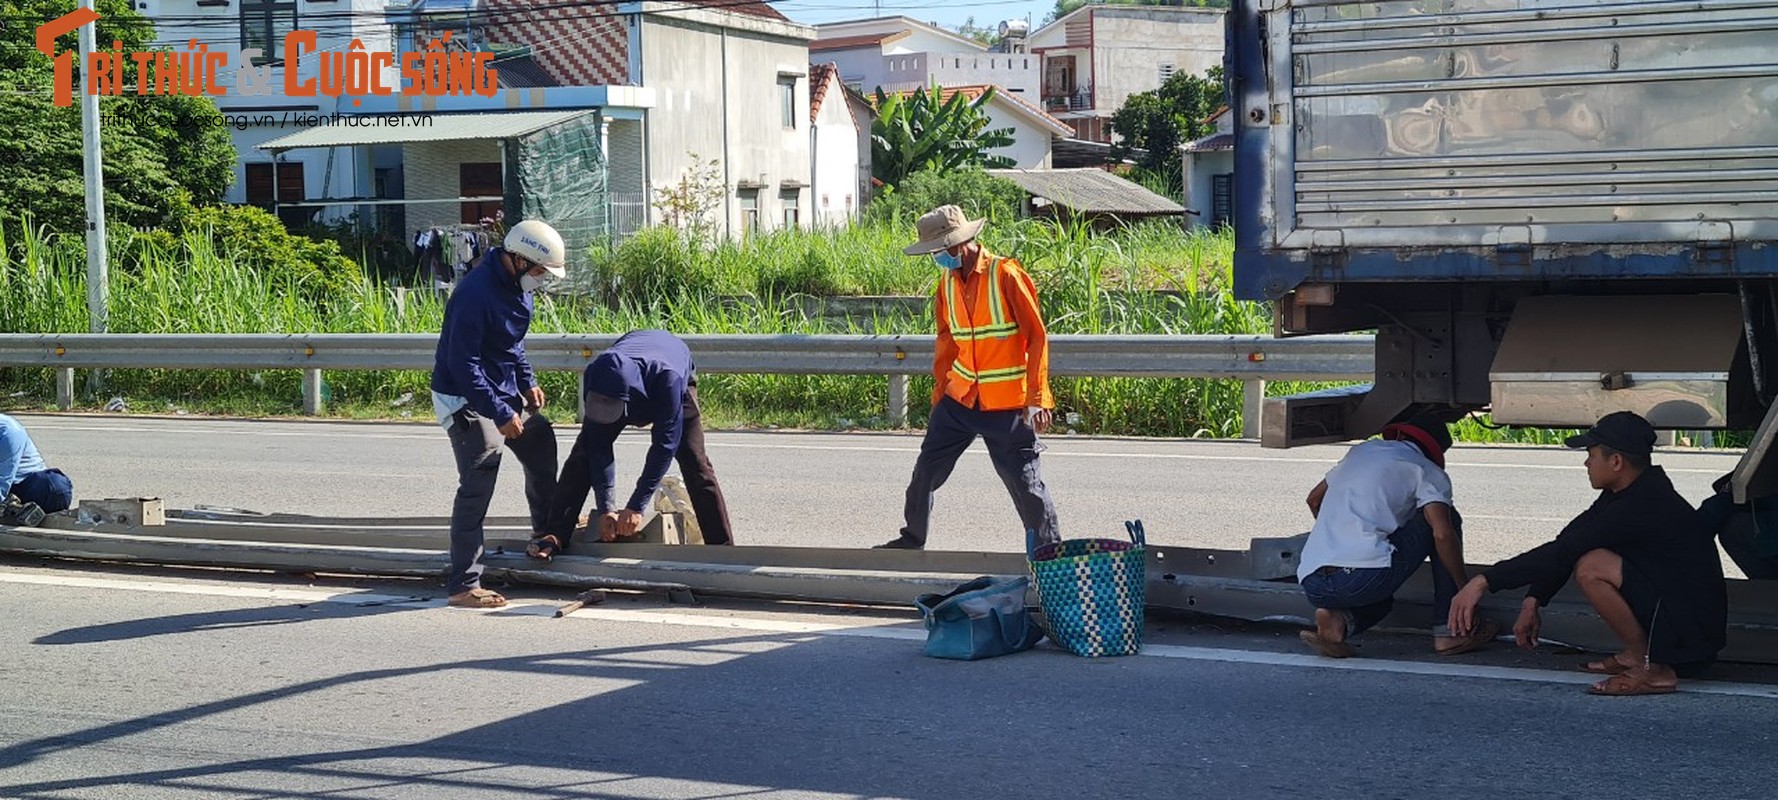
<point x="987" y="13"/>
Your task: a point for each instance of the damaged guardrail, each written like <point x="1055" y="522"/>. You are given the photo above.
<point x="1251" y="359"/>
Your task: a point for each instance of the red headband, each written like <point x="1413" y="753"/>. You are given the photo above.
<point x="1428" y="445"/>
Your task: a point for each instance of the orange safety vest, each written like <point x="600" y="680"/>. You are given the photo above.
<point x="991" y="348"/>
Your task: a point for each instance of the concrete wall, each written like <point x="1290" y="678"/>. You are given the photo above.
<point x="834" y="195"/>
<point x="718" y="97"/>
<point x="1200" y="169"/>
<point x="1031" y="144"/>
<point x="431" y="171"/>
<point x="1014" y="72"/>
<point x="1130" y="43"/>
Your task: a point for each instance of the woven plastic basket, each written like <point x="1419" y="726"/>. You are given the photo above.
<point x="1094" y="592"/>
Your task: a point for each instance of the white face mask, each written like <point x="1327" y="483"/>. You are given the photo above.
<point x="530" y="283"/>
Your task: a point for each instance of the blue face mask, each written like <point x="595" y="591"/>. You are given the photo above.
<point x="946" y="260"/>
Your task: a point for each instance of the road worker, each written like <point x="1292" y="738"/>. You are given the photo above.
<point x="30" y="487"/>
<point x="992" y="371"/>
<point x="486" y="394"/>
<point x="646" y="378"/>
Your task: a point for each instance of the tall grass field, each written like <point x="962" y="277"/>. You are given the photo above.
<point x="1152" y="278"/>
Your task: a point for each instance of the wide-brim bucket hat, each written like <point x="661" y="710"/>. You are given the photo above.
<point x="942" y="228"/>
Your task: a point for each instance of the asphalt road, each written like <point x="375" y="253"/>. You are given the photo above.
<point x="147" y="686"/>
<point x="836" y="490"/>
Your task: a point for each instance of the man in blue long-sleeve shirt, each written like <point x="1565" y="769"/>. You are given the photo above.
<point x="485" y="394"/>
<point x="24" y="475"/>
<point x="646" y="378"/>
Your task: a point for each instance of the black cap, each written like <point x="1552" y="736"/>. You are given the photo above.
<point x="1434" y="425"/>
<point x="603" y="409"/>
<point x="1623" y="431"/>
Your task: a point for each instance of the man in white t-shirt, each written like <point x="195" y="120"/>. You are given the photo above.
<point x="1379" y="514"/>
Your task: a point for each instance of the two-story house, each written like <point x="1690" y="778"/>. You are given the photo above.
<point x="1096" y="56"/>
<point x="594" y="114"/>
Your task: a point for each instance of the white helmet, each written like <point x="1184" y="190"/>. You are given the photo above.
<point x="537" y="241"/>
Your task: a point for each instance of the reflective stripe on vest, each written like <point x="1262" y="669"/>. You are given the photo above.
<point x="998" y="327"/>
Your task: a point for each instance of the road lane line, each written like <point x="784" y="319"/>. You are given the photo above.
<point x="717" y="441"/>
<point x="897" y="631"/>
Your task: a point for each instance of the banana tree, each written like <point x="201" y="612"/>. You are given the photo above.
<point x="923" y="130"/>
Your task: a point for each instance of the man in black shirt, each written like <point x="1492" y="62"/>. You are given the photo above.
<point x="1641" y="558"/>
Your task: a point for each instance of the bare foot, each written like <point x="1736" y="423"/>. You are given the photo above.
<point x="1616" y="664"/>
<point x="1329" y="636"/>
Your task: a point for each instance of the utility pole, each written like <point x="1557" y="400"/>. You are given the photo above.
<point x="96" y="277"/>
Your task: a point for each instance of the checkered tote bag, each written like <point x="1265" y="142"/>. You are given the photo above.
<point x="1093" y="592"/>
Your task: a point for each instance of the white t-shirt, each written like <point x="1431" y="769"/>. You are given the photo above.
<point x="1371" y="493"/>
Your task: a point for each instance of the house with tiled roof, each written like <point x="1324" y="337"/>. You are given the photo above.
<point x="901" y="53"/>
<point x="1207" y="166"/>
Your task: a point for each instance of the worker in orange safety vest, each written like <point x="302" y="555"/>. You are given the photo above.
<point x="992" y="372"/>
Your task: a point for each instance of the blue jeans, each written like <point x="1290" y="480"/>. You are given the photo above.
<point x="1368" y="593"/>
<point x="49" y="489"/>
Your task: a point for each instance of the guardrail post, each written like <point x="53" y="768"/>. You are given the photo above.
<point x="1253" y="400"/>
<point x="65" y="388"/>
<point x="898" y="400"/>
<point x="312" y="392"/>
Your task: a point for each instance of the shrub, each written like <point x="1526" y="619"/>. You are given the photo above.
<point x="253" y="238"/>
<point x="975" y="191"/>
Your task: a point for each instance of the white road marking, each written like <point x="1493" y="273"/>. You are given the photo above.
<point x="868" y="630"/>
<point x="719" y="441"/>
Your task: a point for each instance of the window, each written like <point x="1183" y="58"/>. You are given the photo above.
<point x="1221" y="200"/>
<point x="787" y="99"/>
<point x="479" y="180"/>
<point x="1166" y="72"/>
<point x="263" y="25"/>
<point x="789" y="198"/>
<point x="265" y="191"/>
<point x="749" y="211"/>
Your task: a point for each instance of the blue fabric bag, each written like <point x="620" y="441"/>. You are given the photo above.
<point x="1094" y="592"/>
<point x="983" y="618"/>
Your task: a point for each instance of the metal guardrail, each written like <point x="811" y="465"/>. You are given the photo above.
<point x="1252" y="359"/>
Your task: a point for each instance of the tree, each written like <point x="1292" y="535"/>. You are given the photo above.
<point x="162" y="154"/>
<point x="922" y="130"/>
<point x="1158" y="122"/>
<point x="988" y="37"/>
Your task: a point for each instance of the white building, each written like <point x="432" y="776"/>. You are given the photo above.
<point x="229" y="27"/>
<point x="1207" y="167"/>
<point x="1095" y="57"/>
<point x="840" y="127"/>
<point x="898" y="53"/>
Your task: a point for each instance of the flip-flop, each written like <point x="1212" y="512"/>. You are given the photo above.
<point x="1627" y="685"/>
<point x="543" y="548"/>
<point x="1484" y="632"/>
<point x="477" y="598"/>
<point x="1325" y="647"/>
<point x="1608" y="665"/>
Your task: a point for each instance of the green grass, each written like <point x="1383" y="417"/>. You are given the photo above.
<point x="1148" y="279"/>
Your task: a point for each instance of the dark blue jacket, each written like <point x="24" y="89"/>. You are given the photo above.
<point x="481" y="351"/>
<point x="650" y="371"/>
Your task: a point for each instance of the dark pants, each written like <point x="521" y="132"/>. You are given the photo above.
<point x="49" y="489"/>
<point x="1012" y="446"/>
<point x="1368" y="593"/>
<point x="476" y="443"/>
<point x="707" y="502"/>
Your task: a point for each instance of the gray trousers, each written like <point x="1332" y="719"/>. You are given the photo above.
<point x="1012" y="446"/>
<point x="476" y="443"/>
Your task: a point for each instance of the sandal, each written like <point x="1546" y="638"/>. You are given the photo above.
<point x="477" y="598"/>
<point x="544" y="547"/>
<point x="1609" y="665"/>
<point x="1631" y="684"/>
